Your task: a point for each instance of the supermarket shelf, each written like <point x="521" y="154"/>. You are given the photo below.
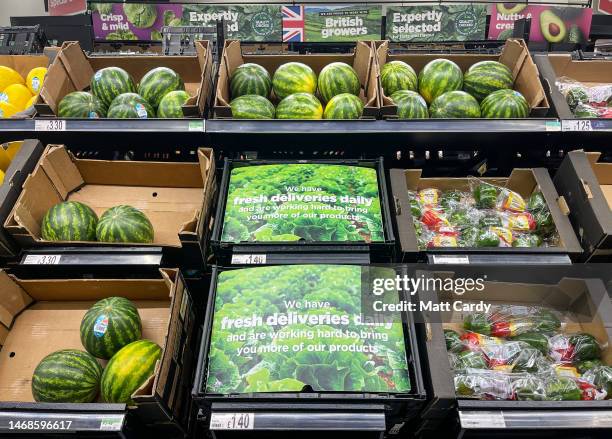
<point x="499" y="259"/>
<point x="93" y="256"/>
<point x="535" y="419"/>
<point x="102" y="125"/>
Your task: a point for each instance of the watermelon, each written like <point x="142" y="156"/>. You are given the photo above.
<point x="171" y="105"/>
<point x="124" y="224"/>
<point x="252" y="107"/>
<point x="68" y="375"/>
<point x="410" y="105"/>
<point x="130" y="105"/>
<point x="294" y="77"/>
<point x="454" y="104"/>
<point x="129" y="369"/>
<point x="109" y="325"/>
<point x="485" y="77"/>
<point x="299" y="106"/>
<point x="504" y="104"/>
<point x="250" y="79"/>
<point x="438" y="77"/>
<point x="344" y="106"/>
<point x="337" y="78"/>
<point x="157" y="83"/>
<point x="69" y="221"/>
<point x="397" y="75"/>
<point x="140" y="15"/>
<point x="82" y="105"/>
<point x="110" y="82"/>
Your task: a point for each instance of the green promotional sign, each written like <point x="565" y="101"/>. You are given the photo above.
<point x="343" y="23"/>
<point x="282" y="328"/>
<point x="313" y="202"/>
<point x="436" y="23"/>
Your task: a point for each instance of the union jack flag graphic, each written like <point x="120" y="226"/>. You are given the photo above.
<point x="293" y="23"/>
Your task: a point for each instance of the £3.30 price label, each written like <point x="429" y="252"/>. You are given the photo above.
<point x="50" y="125"/>
<point x="42" y="259"/>
<point x="232" y="421"/>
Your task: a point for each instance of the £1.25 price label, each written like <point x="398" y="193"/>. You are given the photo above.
<point x="232" y="421"/>
<point x="577" y="125"/>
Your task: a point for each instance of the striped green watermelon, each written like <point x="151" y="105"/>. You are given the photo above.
<point x="109" y="325"/>
<point x="454" y="104"/>
<point x="344" y="106"/>
<point x="337" y="78"/>
<point x="250" y="79"/>
<point x="294" y="77"/>
<point x="299" y="106"/>
<point x="69" y="221"/>
<point x="157" y="83"/>
<point x="252" y="107"/>
<point x="438" y="77"/>
<point x="485" y="77"/>
<point x="171" y="105"/>
<point x="130" y="105"/>
<point x="124" y="224"/>
<point x="110" y="82"/>
<point x="80" y="104"/>
<point x="504" y="104"/>
<point x="128" y="370"/>
<point x="410" y="105"/>
<point x="69" y="375"/>
<point x="397" y="75"/>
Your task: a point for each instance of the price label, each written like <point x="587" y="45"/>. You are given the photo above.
<point x="196" y="125"/>
<point x="577" y="125"/>
<point x="111" y="424"/>
<point x="445" y="259"/>
<point x="232" y="421"/>
<point x="42" y="259"/>
<point x="49" y="125"/>
<point x="249" y="259"/>
<point x="482" y="419"/>
<point x="553" y="125"/>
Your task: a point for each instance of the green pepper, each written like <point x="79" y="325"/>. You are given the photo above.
<point x="471" y="360"/>
<point x="416" y="209"/>
<point x="485" y="196"/>
<point x="463" y="386"/>
<point x="544" y="222"/>
<point x="586" y="365"/>
<point x="529" y="388"/>
<point x="536" y="202"/>
<point x="486" y="238"/>
<point x="526" y="240"/>
<point x="478" y="323"/>
<point x="468" y="236"/>
<point x="450" y="198"/>
<point x="490" y="220"/>
<point x="535" y="340"/>
<point x="546" y="321"/>
<point x="453" y="342"/>
<point x="563" y="389"/>
<point x="585" y="347"/>
<point x="527" y="360"/>
<point x="603" y="379"/>
<point x="459" y="219"/>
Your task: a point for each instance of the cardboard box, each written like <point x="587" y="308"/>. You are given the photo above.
<point x="362" y="60"/>
<point x="523" y="181"/>
<point x="175" y="197"/>
<point x="38" y="317"/>
<point x="515" y="55"/>
<point x="73" y="69"/>
<point x="556" y="65"/>
<point x="587" y="187"/>
<point x="23" y="64"/>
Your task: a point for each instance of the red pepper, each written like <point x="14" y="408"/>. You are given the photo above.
<point x="471" y="339"/>
<point x="501" y="329"/>
<point x="434" y="219"/>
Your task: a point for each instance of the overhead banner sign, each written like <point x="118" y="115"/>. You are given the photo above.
<point x="604" y="6"/>
<point x="139" y="21"/>
<point x="67" y="7"/>
<point x="342" y="23"/>
<point x="436" y="23"/>
<point x="553" y="24"/>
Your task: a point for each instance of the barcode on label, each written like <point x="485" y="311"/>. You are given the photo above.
<point x="196" y="125"/>
<point x="111" y="424"/>
<point x="50" y="125"/>
<point x="42" y="259"/>
<point x="577" y="125"/>
<point x="232" y="421"/>
<point x="249" y="259"/>
<point x="443" y="259"/>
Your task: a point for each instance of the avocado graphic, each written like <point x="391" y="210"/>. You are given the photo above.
<point x="510" y="8"/>
<point x="575" y="35"/>
<point x="552" y="27"/>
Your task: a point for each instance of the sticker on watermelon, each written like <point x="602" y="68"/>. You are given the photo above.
<point x="101" y="326"/>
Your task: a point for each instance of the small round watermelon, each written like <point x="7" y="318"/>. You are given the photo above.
<point x="69" y="221"/>
<point x="109" y="325"/>
<point x="438" y="77"/>
<point x="157" y="83"/>
<point x="454" y="104"/>
<point x="252" y="107"/>
<point x="344" y="106"/>
<point x="294" y="77"/>
<point x="299" y="106"/>
<point x="250" y="79"/>
<point x="127" y="370"/>
<point x="504" y="104"/>
<point x="130" y="106"/>
<point x="124" y="224"/>
<point x="69" y="375"/>
<point x="485" y="77"/>
<point x="110" y="82"/>
<point x="397" y="75"/>
<point x="337" y="78"/>
<point x="81" y="104"/>
<point x="410" y="105"/>
<point x="171" y="105"/>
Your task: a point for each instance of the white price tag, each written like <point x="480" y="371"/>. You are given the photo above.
<point x="196" y="125"/>
<point x="249" y="259"/>
<point x="577" y="125"/>
<point x="445" y="259"/>
<point x="232" y="421"/>
<point x="42" y="259"/>
<point x="111" y="424"/>
<point x="482" y="420"/>
<point x="553" y="125"/>
<point x="49" y="125"/>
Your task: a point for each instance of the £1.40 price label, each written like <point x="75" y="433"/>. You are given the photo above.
<point x="232" y="421"/>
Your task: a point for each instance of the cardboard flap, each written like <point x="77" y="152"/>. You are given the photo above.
<point x="61" y="170"/>
<point x="592" y="157"/>
<point x="513" y="56"/>
<point x="413" y="176"/>
<point x="521" y="181"/>
<point x="13" y="299"/>
<point x="76" y="64"/>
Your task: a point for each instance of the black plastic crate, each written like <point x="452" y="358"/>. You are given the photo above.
<point x="268" y="252"/>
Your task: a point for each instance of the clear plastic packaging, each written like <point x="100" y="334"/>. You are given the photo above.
<point x="512" y="321"/>
<point x="587" y="100"/>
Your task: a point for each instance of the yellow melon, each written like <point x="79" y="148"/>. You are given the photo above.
<point x="7" y="110"/>
<point x="17" y="95"/>
<point x="8" y="77"/>
<point x="35" y="79"/>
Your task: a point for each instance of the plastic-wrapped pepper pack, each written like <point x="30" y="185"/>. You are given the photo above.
<point x="485" y="216"/>
<point x="587" y="101"/>
<point x="521" y="353"/>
